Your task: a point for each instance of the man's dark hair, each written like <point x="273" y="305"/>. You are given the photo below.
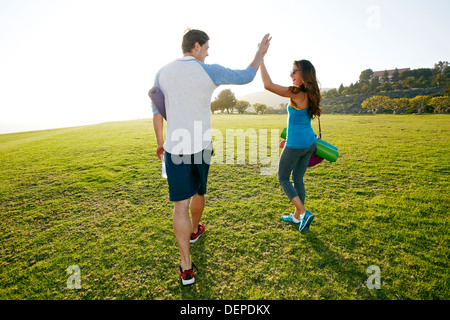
<point x="191" y="37"/>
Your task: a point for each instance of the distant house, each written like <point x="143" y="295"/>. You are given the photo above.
<point x="379" y="74"/>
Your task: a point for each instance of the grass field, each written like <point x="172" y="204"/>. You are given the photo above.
<point x="93" y="196"/>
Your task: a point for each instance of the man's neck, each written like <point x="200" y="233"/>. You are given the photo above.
<point x="188" y="54"/>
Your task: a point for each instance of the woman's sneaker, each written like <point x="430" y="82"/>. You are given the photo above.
<point x="187" y="276"/>
<point x="306" y="221"/>
<point x="290" y="218"/>
<point x="195" y="236"/>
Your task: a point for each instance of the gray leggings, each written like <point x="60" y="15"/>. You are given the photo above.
<point x="295" y="161"/>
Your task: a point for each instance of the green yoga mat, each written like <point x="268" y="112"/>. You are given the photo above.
<point x="283" y="133"/>
<point x="324" y="149"/>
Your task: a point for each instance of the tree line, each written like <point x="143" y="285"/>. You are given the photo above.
<point x="437" y="77"/>
<point x="226" y="101"/>
<point x="409" y="91"/>
<point x="352" y="104"/>
<point x="418" y="104"/>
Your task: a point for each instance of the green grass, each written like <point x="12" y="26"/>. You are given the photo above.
<point x="93" y="196"/>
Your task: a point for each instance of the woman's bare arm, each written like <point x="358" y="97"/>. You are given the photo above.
<point x="272" y="87"/>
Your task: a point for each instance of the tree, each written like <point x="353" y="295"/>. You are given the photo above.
<point x="283" y="108"/>
<point x="259" y="107"/>
<point x="216" y="106"/>
<point x="385" y="86"/>
<point x="225" y="100"/>
<point x="440" y="104"/>
<point x="396" y="76"/>
<point x="441" y="72"/>
<point x="409" y="82"/>
<point x="385" y="77"/>
<point x="397" y="105"/>
<point x="374" y="83"/>
<point x="349" y="90"/>
<point x="242" y="105"/>
<point x="441" y="67"/>
<point x="365" y="76"/>
<point x="376" y="103"/>
<point x="419" y="102"/>
<point x="422" y="82"/>
<point x="332" y="93"/>
<point x="365" y="88"/>
<point x="438" y="79"/>
<point x="341" y="88"/>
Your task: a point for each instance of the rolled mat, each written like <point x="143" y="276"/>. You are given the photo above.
<point x="327" y="151"/>
<point x="283" y="133"/>
<point x="157" y="97"/>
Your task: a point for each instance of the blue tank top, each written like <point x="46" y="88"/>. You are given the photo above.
<point x="299" y="131"/>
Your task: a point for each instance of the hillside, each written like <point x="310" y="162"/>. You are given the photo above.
<point x="351" y="104"/>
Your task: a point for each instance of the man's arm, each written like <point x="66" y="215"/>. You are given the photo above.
<point x="221" y="75"/>
<point x="158" y="126"/>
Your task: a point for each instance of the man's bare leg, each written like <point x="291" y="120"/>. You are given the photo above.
<point x="182" y="228"/>
<point x="197" y="206"/>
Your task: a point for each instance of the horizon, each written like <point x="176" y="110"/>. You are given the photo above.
<point x="70" y="63"/>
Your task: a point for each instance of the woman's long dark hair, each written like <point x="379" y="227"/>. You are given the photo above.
<point x="310" y="86"/>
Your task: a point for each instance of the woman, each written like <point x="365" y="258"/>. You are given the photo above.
<point x="304" y="105"/>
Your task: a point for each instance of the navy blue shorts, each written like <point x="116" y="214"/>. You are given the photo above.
<point x="187" y="175"/>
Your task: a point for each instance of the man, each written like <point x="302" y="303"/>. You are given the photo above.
<point x="188" y="84"/>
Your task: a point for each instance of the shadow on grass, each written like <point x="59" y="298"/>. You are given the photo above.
<point x="340" y="276"/>
<point x="345" y="271"/>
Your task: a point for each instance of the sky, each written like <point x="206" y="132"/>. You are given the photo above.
<point x="76" y="62"/>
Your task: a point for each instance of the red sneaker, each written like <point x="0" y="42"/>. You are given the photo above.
<point x="187" y="276"/>
<point x="195" y="236"/>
